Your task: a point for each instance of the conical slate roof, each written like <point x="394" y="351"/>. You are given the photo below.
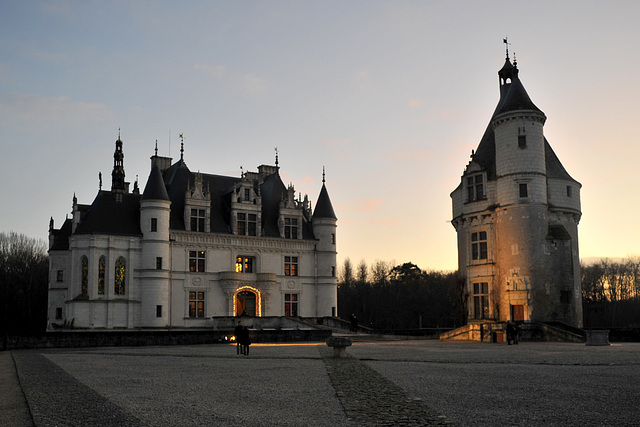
<point x="324" y="208"/>
<point x="155" y="189"/>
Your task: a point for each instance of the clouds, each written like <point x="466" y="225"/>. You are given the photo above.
<point x="30" y="112"/>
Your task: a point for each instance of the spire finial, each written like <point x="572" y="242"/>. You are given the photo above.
<point x="276" y="157"/>
<point x="515" y="62"/>
<point x="100" y="180"/>
<point x="118" y="133"/>
<point x="323" y="175"/>
<point x="506" y="42"/>
<point x="181" y="147"/>
<point x="156" y="148"/>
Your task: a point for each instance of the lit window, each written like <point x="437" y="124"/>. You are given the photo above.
<point x="290" y="305"/>
<point x="247" y="224"/>
<point x="290" y="228"/>
<point x="480" y="300"/>
<point x="290" y="265"/>
<point x="479" y="245"/>
<point x="120" y="276"/>
<point x="197" y="219"/>
<point x="475" y="188"/>
<point x="85" y="275"/>
<point x="196" y="261"/>
<point x="101" y="273"/>
<point x="196" y="304"/>
<point x="244" y="264"/>
<point x="154" y="224"/>
<point x="524" y="190"/>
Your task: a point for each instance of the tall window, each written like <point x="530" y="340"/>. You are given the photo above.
<point x="101" y="272"/>
<point x="85" y="275"/>
<point x="197" y="261"/>
<point x="247" y="224"/>
<point x="568" y="191"/>
<point x="60" y="276"/>
<point x="120" y="276"/>
<point x="290" y="265"/>
<point x="479" y="245"/>
<point x="480" y="300"/>
<point x="159" y="263"/>
<point x="196" y="304"/>
<point x="247" y="194"/>
<point x="154" y="224"/>
<point x="524" y="190"/>
<point x="475" y="188"/>
<point x="291" y="228"/>
<point x="522" y="141"/>
<point x="197" y="219"/>
<point x="244" y="264"/>
<point x="290" y="305"/>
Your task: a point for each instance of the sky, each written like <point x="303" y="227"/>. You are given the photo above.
<point x="390" y="97"/>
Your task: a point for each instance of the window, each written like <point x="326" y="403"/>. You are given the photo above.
<point x="480" y="300"/>
<point x="247" y="224"/>
<point x="290" y="305"/>
<point x="196" y="261"/>
<point x="159" y="263"/>
<point x="333" y="238"/>
<point x="333" y="271"/>
<point x="522" y="141"/>
<point x="247" y="194"/>
<point x="58" y="312"/>
<point x="568" y="191"/>
<point x="291" y="228"/>
<point x="158" y="311"/>
<point x="244" y="264"/>
<point x="475" y="188"/>
<point x="479" y="245"/>
<point x="290" y="265"/>
<point x="120" y="276"/>
<point x="60" y="276"/>
<point x="196" y="304"/>
<point x="101" y="272"/>
<point x="197" y="219"/>
<point x="524" y="190"/>
<point x="85" y="275"/>
<point x="154" y="224"/>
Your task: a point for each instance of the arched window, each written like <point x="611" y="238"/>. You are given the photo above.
<point x="120" y="275"/>
<point x="84" y="262"/>
<point x="101" y="271"/>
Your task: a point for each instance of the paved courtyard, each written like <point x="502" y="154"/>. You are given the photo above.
<point x="381" y="383"/>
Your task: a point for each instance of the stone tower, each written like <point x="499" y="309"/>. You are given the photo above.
<point x="516" y="213"/>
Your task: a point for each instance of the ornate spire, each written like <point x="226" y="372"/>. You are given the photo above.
<point x="181" y="147"/>
<point x="117" y="176"/>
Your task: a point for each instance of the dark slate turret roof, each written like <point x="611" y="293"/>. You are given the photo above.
<point x="324" y="208"/>
<point x="155" y="189"/>
<point x="513" y="97"/>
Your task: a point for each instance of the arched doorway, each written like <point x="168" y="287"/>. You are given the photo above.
<point x="246" y="303"/>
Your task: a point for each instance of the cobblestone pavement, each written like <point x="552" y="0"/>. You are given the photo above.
<point x="380" y="383"/>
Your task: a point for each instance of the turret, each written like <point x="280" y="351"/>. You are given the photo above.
<point x="155" y="208"/>
<point x="324" y="223"/>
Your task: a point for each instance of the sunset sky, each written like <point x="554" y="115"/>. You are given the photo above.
<point x="389" y="96"/>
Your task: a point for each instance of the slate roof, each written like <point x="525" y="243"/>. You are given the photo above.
<point x="106" y="215"/>
<point x="324" y="208"/>
<point x="513" y="96"/>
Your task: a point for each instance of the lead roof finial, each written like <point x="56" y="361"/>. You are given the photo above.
<point x="323" y="175"/>
<point x="181" y="147"/>
<point x="277" y="158"/>
<point x="156" y="148"/>
<point x="506" y="42"/>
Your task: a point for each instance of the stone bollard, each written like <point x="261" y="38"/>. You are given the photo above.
<point x="598" y="337"/>
<point x="339" y="345"/>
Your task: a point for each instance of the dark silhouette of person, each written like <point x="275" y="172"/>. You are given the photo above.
<point x="245" y="341"/>
<point x="237" y="332"/>
<point x="354" y="323"/>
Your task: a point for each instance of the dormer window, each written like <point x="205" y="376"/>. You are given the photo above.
<point x="247" y="224"/>
<point x="198" y="217"/>
<point x="291" y="228"/>
<point x="475" y="188"/>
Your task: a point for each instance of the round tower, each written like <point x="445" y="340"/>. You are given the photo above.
<point x="155" y="207"/>
<point x="324" y="222"/>
<point x="521" y="222"/>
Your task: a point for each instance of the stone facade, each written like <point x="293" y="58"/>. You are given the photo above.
<point x="191" y="247"/>
<point x="516" y="213"/>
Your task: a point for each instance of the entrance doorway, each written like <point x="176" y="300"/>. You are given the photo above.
<point x="517" y="313"/>
<point x="246" y="304"/>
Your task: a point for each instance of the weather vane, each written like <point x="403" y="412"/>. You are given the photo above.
<point x="506" y="42"/>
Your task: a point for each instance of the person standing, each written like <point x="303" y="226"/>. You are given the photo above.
<point x="245" y="341"/>
<point x="237" y="333"/>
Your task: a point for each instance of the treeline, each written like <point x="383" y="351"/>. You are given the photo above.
<point x="611" y="293"/>
<point x="387" y="297"/>
<point x="24" y="271"/>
